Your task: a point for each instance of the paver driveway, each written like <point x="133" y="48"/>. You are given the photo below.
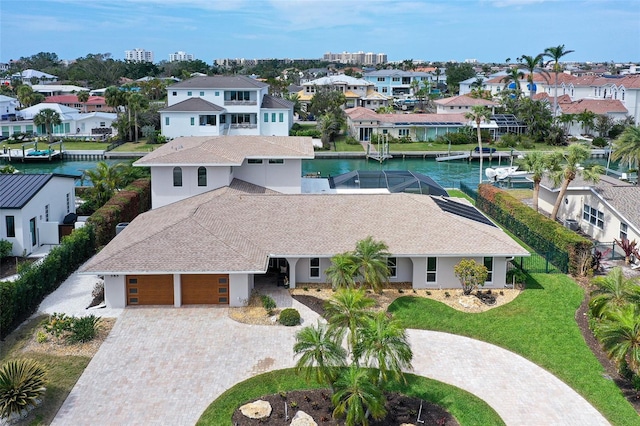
<point x="164" y="366"/>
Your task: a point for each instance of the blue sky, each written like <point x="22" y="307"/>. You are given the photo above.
<point x="487" y="30"/>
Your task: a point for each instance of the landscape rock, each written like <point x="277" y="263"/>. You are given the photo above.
<point x="303" y="419"/>
<point x="256" y="410"/>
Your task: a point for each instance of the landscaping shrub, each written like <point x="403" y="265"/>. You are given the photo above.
<point x="83" y="329"/>
<point x="516" y="275"/>
<point x="268" y="303"/>
<point x="20" y="298"/>
<point x="289" y="317"/>
<point x="599" y="142"/>
<point x="22" y="385"/>
<point x="456" y="138"/>
<point x="6" y="247"/>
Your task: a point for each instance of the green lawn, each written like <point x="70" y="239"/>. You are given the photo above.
<point x="341" y="145"/>
<point x="141" y="146"/>
<point x="540" y="326"/>
<point x="83" y="146"/>
<point x="467" y="408"/>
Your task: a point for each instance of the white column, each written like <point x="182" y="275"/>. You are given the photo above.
<point x="292" y="271"/>
<point x="177" y="290"/>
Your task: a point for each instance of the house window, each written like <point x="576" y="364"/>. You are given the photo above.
<point x="236" y="95"/>
<point x="488" y="263"/>
<point x="254" y="161"/>
<point x="273" y="117"/>
<point x="166" y="121"/>
<point x="381" y="78"/>
<point x="432" y="266"/>
<point x="392" y="265"/>
<point x="217" y="93"/>
<point x="201" y="93"/>
<point x="385" y="90"/>
<point x="32" y="230"/>
<point x="193" y="121"/>
<point x="281" y="117"/>
<point x="403" y="132"/>
<point x="314" y="267"/>
<point x="395" y="79"/>
<point x="266" y="117"/>
<point x="68" y="202"/>
<point x="593" y="216"/>
<point x="177" y="176"/>
<point x="174" y="93"/>
<point x="276" y="161"/>
<point x="189" y="94"/>
<point x="103" y="124"/>
<point x="10" y="221"/>
<point x="202" y="176"/>
<point x="623" y="231"/>
<point x="46" y="213"/>
<point x="241" y="119"/>
<point x="207" y="120"/>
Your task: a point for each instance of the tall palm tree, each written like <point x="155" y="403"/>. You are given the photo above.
<point x="383" y="344"/>
<point x="613" y="292"/>
<point x="137" y="103"/>
<point x="570" y="169"/>
<point x="627" y="147"/>
<point x="48" y="118"/>
<point x="537" y="163"/>
<point x="533" y="64"/>
<point x="348" y="309"/>
<point x="479" y="114"/>
<point x="555" y="53"/>
<point x="342" y="271"/>
<point x="105" y="180"/>
<point x="513" y="75"/>
<point x="320" y="353"/>
<point x="83" y="96"/>
<point x="357" y="397"/>
<point x="619" y="334"/>
<point x="371" y="258"/>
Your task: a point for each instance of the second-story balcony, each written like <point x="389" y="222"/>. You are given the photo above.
<point x="240" y="103"/>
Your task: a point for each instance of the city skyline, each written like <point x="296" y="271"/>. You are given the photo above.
<point x="431" y="30"/>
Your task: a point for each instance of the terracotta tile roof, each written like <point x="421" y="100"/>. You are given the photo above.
<point x="227" y="230"/>
<point x="597" y="106"/>
<point x="193" y="105"/>
<point x="227" y="150"/>
<point x="464" y="100"/>
<point x="364" y="114"/>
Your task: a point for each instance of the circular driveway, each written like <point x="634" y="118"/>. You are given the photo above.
<point x="165" y="366"/>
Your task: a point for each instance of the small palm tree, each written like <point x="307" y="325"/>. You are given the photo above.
<point x="371" y="258"/>
<point x="348" y="309"/>
<point x="357" y="397"/>
<point x="627" y="147"/>
<point x="479" y="114"/>
<point x="555" y="53"/>
<point x="383" y="344"/>
<point x="538" y="164"/>
<point x="513" y="75"/>
<point x="320" y="353"/>
<point x="342" y="271"/>
<point x="105" y="180"/>
<point x="48" y="118"/>
<point x="83" y="97"/>
<point x="22" y="384"/>
<point x="575" y="155"/>
<point x="614" y="291"/>
<point x="533" y="64"/>
<point x="619" y="334"/>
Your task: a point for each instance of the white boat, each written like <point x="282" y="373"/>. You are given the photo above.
<point x="500" y="173"/>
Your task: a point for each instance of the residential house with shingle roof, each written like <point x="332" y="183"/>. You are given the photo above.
<point x="357" y="91"/>
<point x="462" y="104"/>
<point x="209" y="246"/>
<point x="224" y="105"/>
<point x="398" y="83"/>
<point x="32" y="206"/>
<point x="605" y="210"/>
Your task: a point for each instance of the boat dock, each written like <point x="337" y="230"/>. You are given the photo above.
<point x="29" y="152"/>
<point x="374" y="154"/>
<point x="453" y="156"/>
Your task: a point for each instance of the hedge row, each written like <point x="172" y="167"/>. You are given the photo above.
<point x="545" y="236"/>
<point x="124" y="206"/>
<point x="20" y="298"/>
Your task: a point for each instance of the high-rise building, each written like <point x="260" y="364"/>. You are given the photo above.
<point x="356" y="58"/>
<point x="180" y="56"/>
<point x="138" y="55"/>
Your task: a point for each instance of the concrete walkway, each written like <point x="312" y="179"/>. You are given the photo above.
<point x="165" y="365"/>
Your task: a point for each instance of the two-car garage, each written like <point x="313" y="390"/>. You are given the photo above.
<point x="195" y="289"/>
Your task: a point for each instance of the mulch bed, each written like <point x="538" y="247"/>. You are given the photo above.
<point x="317" y="403"/>
<point x="314" y="303"/>
<point x="8" y="266"/>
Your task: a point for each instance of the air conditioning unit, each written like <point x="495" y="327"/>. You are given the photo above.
<point x="571" y="224"/>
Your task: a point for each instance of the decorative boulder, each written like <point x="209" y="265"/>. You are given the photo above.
<point x="256" y="410"/>
<point x="303" y="419"/>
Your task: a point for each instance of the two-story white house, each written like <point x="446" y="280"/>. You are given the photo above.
<point x="224" y="105"/>
<point x="357" y="91"/>
<point x="207" y="246"/>
<point x="32" y="206"/>
<point x="397" y="83"/>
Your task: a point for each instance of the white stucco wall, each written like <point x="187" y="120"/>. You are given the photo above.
<point x="283" y="178"/>
<point x="180" y="125"/>
<point x="275" y="128"/>
<point x="240" y="286"/>
<point x="163" y="192"/>
<point x="115" y="291"/>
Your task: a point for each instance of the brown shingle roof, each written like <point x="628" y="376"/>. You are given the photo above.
<point x="227" y="150"/>
<point x="228" y="230"/>
<point x="193" y="105"/>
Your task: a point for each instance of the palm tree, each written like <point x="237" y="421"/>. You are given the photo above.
<point x="342" y="271"/>
<point x="83" y="97"/>
<point x="627" y="147"/>
<point x="619" y="334"/>
<point x="571" y="168"/>
<point x="357" y="396"/>
<point x="513" y="75"/>
<point x="566" y="120"/>
<point x="371" y="258"/>
<point x="330" y="125"/>
<point x="478" y="114"/>
<point x="533" y="64"/>
<point x="48" y="118"/>
<point x="105" y="180"/>
<point x="136" y="102"/>
<point x="555" y="53"/>
<point x="537" y="163"/>
<point x="320" y="353"/>
<point x="383" y="344"/>
<point x="348" y="309"/>
<point x="587" y="118"/>
<point x="613" y="292"/>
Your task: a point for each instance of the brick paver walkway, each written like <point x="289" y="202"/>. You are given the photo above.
<point x="164" y="366"/>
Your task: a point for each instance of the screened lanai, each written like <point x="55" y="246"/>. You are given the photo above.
<point x="393" y="180"/>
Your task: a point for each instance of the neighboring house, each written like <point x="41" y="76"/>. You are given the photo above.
<point x="357" y="91"/>
<point x="73" y="122"/>
<point x="58" y="89"/>
<point x="224" y="105"/>
<point x="209" y="249"/>
<point x="30" y="75"/>
<point x="189" y="166"/>
<point x="397" y="83"/>
<point x="93" y="104"/>
<point x="8" y="107"/>
<point x="605" y="210"/>
<point x="32" y="206"/>
<point x="462" y="104"/>
<point x="613" y="108"/>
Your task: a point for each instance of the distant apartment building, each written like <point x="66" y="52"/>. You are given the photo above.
<point x="138" y="55"/>
<point x="368" y="58"/>
<point x="180" y="56"/>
